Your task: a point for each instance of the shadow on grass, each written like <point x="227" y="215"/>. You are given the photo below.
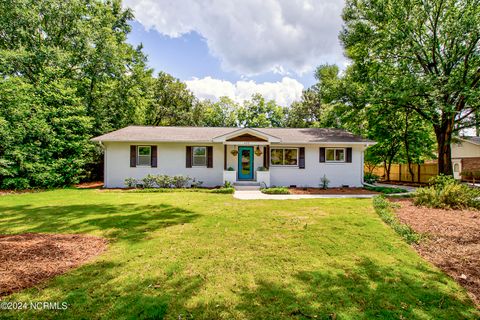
<point x="364" y="292"/>
<point x="367" y="290"/>
<point x="122" y="222"/>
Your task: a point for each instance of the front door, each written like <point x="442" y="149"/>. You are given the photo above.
<point x="245" y="163"/>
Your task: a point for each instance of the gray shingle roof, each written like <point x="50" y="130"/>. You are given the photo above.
<point x="206" y="134"/>
<point x="473" y="139"/>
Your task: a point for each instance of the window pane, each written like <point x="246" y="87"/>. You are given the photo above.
<point x="143" y="160"/>
<point x="291" y="157"/>
<point x="330" y="154"/>
<point x="199" y="161"/>
<point x="143" y="151"/>
<point x="340" y="155"/>
<point x="199" y="151"/>
<point x="277" y="157"/>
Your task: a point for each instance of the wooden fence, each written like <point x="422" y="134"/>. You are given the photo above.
<point x="399" y="172"/>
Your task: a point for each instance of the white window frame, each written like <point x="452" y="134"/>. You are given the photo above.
<point x="138" y="157"/>
<point x="193" y="156"/>
<point x="334" y="155"/>
<point x="283" y="158"/>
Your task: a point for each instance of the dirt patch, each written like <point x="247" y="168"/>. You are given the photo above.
<point x="28" y="259"/>
<point x="89" y="185"/>
<point x="453" y="242"/>
<point x="331" y="191"/>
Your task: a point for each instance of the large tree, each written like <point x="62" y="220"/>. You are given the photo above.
<point x="423" y="56"/>
<point x="66" y="74"/>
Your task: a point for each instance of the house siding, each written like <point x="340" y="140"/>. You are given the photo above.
<point x="171" y="161"/>
<point x="338" y="173"/>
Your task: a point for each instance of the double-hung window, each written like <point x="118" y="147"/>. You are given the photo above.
<point x="284" y="157"/>
<point x="335" y="154"/>
<point x="144" y="155"/>
<point x="199" y="156"/>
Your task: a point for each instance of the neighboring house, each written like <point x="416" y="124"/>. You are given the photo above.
<point x="465" y="155"/>
<point x="266" y="156"/>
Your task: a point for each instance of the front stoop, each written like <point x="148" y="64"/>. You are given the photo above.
<point x="246" y="185"/>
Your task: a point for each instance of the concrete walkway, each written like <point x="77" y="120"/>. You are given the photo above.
<point x="258" y="195"/>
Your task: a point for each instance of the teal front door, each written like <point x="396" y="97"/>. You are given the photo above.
<point x="245" y="163"/>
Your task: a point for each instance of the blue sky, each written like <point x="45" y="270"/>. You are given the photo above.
<point x="223" y="47"/>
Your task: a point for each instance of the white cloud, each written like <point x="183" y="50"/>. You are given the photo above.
<point x="252" y="36"/>
<point x="283" y="92"/>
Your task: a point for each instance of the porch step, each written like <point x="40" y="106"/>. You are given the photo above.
<point x="246" y="185"/>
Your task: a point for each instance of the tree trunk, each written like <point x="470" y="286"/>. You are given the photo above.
<point x="407" y="147"/>
<point x="443" y="134"/>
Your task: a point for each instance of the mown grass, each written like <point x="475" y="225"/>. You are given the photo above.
<point x="209" y="256"/>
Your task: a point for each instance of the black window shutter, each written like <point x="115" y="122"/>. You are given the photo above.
<point x="322" y="154"/>
<point x="133" y="156"/>
<point x="189" y="157"/>
<point x="265" y="163"/>
<point x="268" y="157"/>
<point x="301" y="158"/>
<point x="153" y="161"/>
<point x="209" y="157"/>
<point x="349" y="155"/>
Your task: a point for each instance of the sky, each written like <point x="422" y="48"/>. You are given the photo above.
<point x="238" y="48"/>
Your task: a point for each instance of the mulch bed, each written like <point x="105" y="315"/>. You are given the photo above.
<point x="29" y="259"/>
<point x="89" y="185"/>
<point x="453" y="241"/>
<point x="331" y="191"/>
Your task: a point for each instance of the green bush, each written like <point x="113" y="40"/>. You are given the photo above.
<point x="223" y="190"/>
<point x="275" y="190"/>
<point x="447" y="193"/>
<point x="149" y="181"/>
<point x="386" y="190"/>
<point x="163" y="181"/>
<point x="180" y="181"/>
<point x="370" y="178"/>
<point x="131" y="183"/>
<point x="384" y="209"/>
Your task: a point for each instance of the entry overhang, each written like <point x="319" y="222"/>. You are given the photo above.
<point x="257" y="133"/>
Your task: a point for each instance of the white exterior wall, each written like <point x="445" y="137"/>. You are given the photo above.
<point x="339" y="174"/>
<point x="171" y="161"/>
<point x="465" y="150"/>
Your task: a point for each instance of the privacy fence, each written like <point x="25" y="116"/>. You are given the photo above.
<point x="400" y="172"/>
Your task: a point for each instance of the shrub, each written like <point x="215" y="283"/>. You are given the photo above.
<point x="370" y="178"/>
<point x="15" y="183"/>
<point x="131" y="182"/>
<point x="386" y="190"/>
<point x="180" y="181"/>
<point x="223" y="190"/>
<point x="447" y="193"/>
<point x="262" y="169"/>
<point x="384" y="209"/>
<point x="149" y="181"/>
<point x="275" y="190"/>
<point x="163" y="181"/>
<point x="228" y="184"/>
<point x="196" y="183"/>
<point x="230" y="169"/>
<point x="324" y="182"/>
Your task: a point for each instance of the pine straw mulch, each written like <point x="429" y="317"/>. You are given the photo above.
<point x="29" y="259"/>
<point x="452" y="244"/>
<point x="331" y="191"/>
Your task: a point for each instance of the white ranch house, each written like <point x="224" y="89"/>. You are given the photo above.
<point x="262" y="156"/>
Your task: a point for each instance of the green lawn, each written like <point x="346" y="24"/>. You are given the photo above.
<point x="205" y="256"/>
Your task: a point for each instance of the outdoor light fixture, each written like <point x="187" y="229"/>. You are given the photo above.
<point x="258" y="152"/>
<point x="234" y="152"/>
